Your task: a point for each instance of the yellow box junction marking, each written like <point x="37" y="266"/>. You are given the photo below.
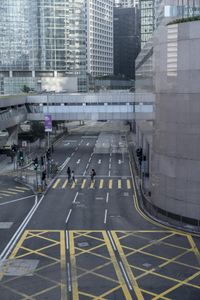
<point x="56" y="183"/>
<point x="127" y="267"/>
<point x="83" y="183"/>
<point x="73" y="267"/>
<point x="65" y="184"/>
<point x="101" y="183"/>
<point x="21" y="247"/>
<point x="194" y="248"/>
<point x="119" y="184"/>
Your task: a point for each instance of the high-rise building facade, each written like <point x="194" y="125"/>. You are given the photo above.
<point x="100" y="37"/>
<point x="56" y="38"/>
<point x="126" y="3"/>
<point x="126" y="41"/>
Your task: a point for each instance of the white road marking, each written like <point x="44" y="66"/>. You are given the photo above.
<point x="69" y="278"/>
<point x="67" y="144"/>
<point x="67" y="240"/>
<point x="109" y="173"/>
<point x="65" y="163"/>
<point x="16" y="200"/>
<point x="72" y="154"/>
<point x="125" y="275"/>
<point x="109" y="166"/>
<point x="20" y="229"/>
<point x="112" y="242"/>
<point x="68" y="216"/>
<point x="105" y="217"/>
<point x="119" y="161"/>
<point x="107" y="197"/>
<point x="76" y="149"/>
<point x="99" y="161"/>
<point x="74" y="201"/>
<point x="78" y="161"/>
<point x="87" y="166"/>
<point x="87" y="144"/>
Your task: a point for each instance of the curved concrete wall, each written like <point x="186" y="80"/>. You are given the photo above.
<point x="176" y="147"/>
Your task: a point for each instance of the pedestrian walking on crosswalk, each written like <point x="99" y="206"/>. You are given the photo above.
<point x="73" y="177"/>
<point x="92" y="175"/>
<point x="69" y="173"/>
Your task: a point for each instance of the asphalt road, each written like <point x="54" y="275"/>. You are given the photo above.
<point x="90" y="240"/>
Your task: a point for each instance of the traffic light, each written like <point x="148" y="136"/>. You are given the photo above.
<point x="21" y="155"/>
<point x="48" y="154"/>
<point x="139" y="153"/>
<point x="35" y="162"/>
<point x="42" y="160"/>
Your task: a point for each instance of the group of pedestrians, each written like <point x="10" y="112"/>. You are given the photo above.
<point x="70" y="174"/>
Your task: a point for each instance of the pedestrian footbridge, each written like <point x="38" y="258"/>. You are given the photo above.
<point x="92" y="106"/>
<point x="110" y="105"/>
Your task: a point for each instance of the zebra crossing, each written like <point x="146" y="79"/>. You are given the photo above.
<point x="8" y="192"/>
<point x="98" y="183"/>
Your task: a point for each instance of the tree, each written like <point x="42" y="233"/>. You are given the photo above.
<point x="26" y="89"/>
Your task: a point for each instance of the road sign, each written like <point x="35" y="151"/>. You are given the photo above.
<point x="48" y="123"/>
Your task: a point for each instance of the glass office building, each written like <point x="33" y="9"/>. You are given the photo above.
<point x="100" y="37"/>
<point x="54" y="38"/>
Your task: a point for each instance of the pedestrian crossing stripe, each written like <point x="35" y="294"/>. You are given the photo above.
<point x="16" y="190"/>
<point x="128" y="184"/>
<point x="101" y="184"/>
<point x="119" y="184"/>
<point x="65" y="184"/>
<point x="97" y="183"/>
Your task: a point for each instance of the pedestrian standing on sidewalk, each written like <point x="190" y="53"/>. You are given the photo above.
<point x="69" y="173"/>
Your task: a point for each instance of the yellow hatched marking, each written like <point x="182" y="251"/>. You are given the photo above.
<point x="119" y="184"/>
<point x="19" y="244"/>
<point x="101" y="184"/>
<point x="92" y="184"/>
<point x="73" y="267"/>
<point x="152" y="271"/>
<point x="116" y="267"/>
<point x="127" y="267"/>
<point x="16" y="190"/>
<point x="194" y="248"/>
<point x="74" y="184"/>
<point x="128" y="182"/>
<point x="110" y="184"/>
<point x="11" y="193"/>
<point x="176" y="286"/>
<point x="83" y="183"/>
<point x="65" y="184"/>
<point x="63" y="266"/>
<point x="23" y="188"/>
<point x="56" y="183"/>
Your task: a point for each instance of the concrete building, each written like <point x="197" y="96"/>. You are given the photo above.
<point x="166" y="66"/>
<point x="176" y="147"/>
<point x="126" y="41"/>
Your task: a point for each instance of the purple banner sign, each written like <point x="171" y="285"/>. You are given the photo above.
<point x="48" y="123"/>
